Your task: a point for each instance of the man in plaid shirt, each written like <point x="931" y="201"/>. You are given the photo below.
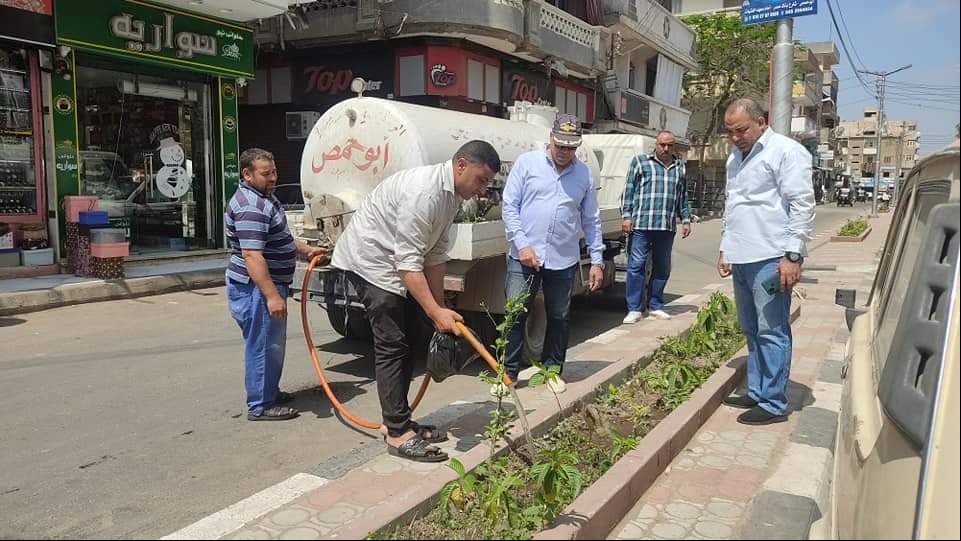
<point x="654" y="198"/>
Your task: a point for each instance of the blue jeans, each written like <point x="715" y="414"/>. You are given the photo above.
<point x="765" y="322"/>
<point x="558" y="285"/>
<point x="265" y="341"/>
<point x="657" y="245"/>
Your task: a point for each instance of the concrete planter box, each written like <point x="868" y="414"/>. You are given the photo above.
<point x="860" y="238"/>
<point x="603" y="504"/>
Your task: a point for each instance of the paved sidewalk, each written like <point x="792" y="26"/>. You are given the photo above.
<point x="19" y="295"/>
<point x="770" y="482"/>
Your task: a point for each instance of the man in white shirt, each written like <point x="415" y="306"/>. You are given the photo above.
<point x="768" y="217"/>
<point x="395" y="253"/>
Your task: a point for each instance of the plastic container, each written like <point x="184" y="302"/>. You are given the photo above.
<point x="42" y="256"/>
<point x="107" y="235"/>
<point x="94" y="217"/>
<point x="75" y="204"/>
<point x="110" y="250"/>
<point x="10" y="258"/>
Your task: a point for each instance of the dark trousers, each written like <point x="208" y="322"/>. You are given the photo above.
<point x="401" y="332"/>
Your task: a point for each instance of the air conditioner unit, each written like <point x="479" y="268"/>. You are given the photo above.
<point x="299" y="124"/>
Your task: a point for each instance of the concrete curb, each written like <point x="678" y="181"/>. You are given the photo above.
<point x="602" y="505"/>
<point x="420" y="500"/>
<point x="107" y="290"/>
<point x="860" y="238"/>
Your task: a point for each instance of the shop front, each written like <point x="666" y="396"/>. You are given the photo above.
<point x="26" y="29"/>
<point x="145" y="118"/>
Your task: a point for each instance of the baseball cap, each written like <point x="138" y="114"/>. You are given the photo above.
<point x="566" y="131"/>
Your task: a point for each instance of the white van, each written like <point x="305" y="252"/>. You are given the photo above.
<point x="896" y="457"/>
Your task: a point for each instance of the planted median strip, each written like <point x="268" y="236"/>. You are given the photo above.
<point x="854" y="230"/>
<point x="515" y="495"/>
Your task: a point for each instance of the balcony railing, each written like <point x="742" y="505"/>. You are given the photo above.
<point x="564" y="24"/>
<point x="803" y="127"/>
<point x="643" y="110"/>
<point x="648" y="22"/>
<point x="804" y="93"/>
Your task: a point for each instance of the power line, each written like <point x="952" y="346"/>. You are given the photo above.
<point x="844" y="46"/>
<point x="850" y="40"/>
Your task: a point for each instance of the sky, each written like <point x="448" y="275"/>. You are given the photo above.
<point x="883" y="35"/>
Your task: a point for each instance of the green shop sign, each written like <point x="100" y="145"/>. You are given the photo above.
<point x="156" y="34"/>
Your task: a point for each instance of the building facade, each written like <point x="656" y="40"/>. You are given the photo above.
<point x="864" y="161"/>
<point x="477" y="56"/>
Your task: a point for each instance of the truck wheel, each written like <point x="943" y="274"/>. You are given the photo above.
<point x="534" y="331"/>
<point x="349" y="323"/>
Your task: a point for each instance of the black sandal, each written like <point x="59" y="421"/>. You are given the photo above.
<point x="276" y="413"/>
<point x="418" y="450"/>
<point x="429" y="433"/>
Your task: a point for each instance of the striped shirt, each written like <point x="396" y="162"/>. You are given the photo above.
<point x="255" y="221"/>
<point x="656" y="196"/>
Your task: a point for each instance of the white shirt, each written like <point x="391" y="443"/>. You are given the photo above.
<point x="770" y="201"/>
<point x="402" y="225"/>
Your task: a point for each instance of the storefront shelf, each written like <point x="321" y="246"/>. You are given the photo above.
<point x="28" y="162"/>
<point x="10" y="70"/>
<point x="15" y="109"/>
<point x="17" y="188"/>
<point x="24" y="133"/>
<point x="6" y="89"/>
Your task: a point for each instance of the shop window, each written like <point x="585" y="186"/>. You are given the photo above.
<point x="572" y="102"/>
<point x="492" y="83"/>
<point x="144" y="150"/>
<point x="483" y="81"/>
<point x="411" y="75"/>
<point x="475" y="80"/>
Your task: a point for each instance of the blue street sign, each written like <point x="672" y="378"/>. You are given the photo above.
<point x="759" y="11"/>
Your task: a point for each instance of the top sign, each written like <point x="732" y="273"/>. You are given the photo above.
<point x="759" y="11"/>
<point x="157" y="34"/>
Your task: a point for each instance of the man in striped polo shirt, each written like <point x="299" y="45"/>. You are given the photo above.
<point x="263" y="255"/>
<point x="654" y="198"/>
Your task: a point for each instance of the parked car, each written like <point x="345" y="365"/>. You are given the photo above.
<point x="896" y="465"/>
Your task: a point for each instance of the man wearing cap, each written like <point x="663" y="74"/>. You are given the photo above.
<point x="548" y="199"/>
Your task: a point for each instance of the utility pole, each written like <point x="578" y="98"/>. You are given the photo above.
<point x="882" y="79"/>
<point x="783" y="77"/>
<point x="897" y="169"/>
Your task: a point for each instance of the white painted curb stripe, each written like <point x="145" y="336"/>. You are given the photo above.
<point x="237" y="515"/>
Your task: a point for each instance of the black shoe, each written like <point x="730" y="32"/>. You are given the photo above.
<point x="759" y="416"/>
<point x="743" y="402"/>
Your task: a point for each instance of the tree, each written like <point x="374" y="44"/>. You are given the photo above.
<point x="732" y="63"/>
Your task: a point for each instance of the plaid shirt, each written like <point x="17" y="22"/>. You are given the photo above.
<point x="655" y="195"/>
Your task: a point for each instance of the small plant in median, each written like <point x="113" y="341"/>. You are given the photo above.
<point x="854" y="227"/>
<point x="514" y="496"/>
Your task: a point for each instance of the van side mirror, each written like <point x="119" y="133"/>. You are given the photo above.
<point x="848" y="299"/>
<point x="845" y="297"/>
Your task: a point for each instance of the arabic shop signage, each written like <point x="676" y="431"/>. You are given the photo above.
<point x="156" y="34"/>
<point x="325" y="80"/>
<point x="759" y="11"/>
<point x="518" y="84"/>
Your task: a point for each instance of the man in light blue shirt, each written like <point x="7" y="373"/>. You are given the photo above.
<point x="768" y="217"/>
<point x="549" y="198"/>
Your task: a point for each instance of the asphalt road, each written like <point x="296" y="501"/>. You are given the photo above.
<point x="126" y="419"/>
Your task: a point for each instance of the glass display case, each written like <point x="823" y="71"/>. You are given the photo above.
<point x="20" y="193"/>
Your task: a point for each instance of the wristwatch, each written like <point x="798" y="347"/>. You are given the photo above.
<point x="793" y="257"/>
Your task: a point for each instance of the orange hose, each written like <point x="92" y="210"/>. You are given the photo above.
<point x="488" y="358"/>
<point x="312" y="351"/>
